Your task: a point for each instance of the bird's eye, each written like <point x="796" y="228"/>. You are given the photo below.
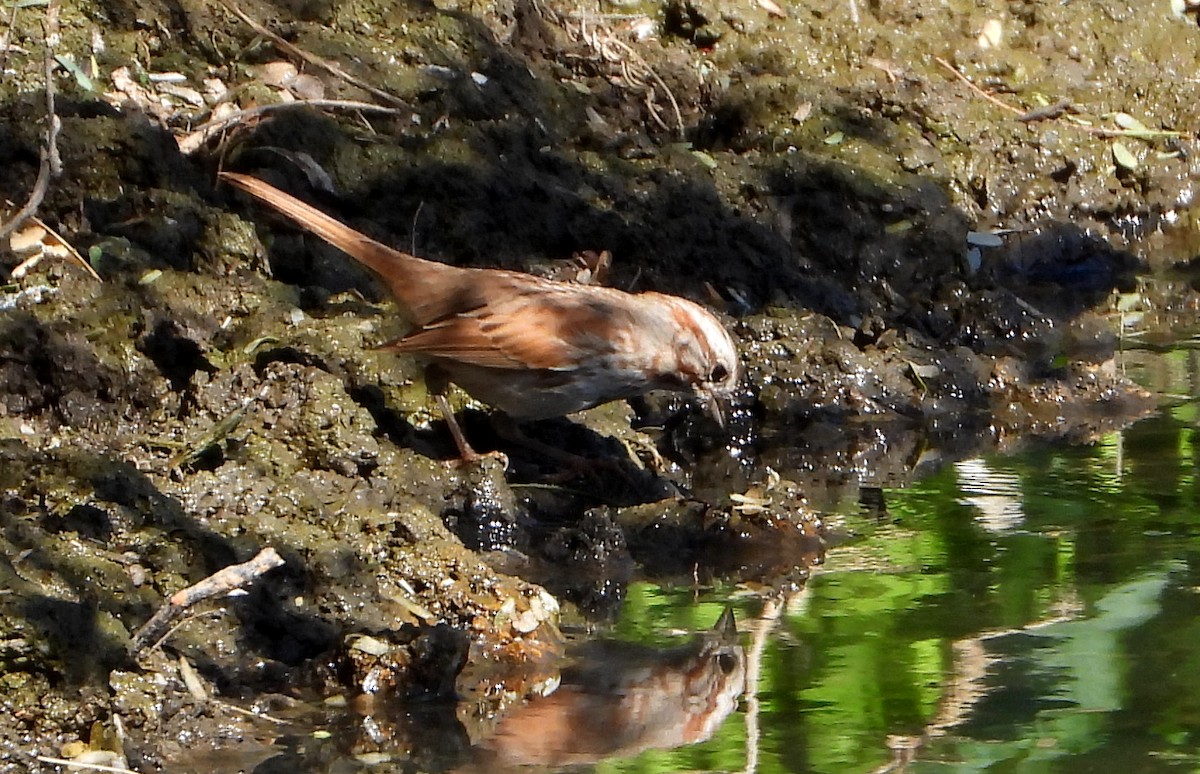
<point x="718" y="374"/>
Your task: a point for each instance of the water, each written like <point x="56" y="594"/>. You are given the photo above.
<point x="1027" y="613"/>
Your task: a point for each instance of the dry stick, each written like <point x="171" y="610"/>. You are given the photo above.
<point x="51" y="164"/>
<point x="1033" y="115"/>
<point x="986" y="95"/>
<point x="313" y="59"/>
<point x="221" y="582"/>
<point x="194" y="139"/>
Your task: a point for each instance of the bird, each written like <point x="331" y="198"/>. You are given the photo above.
<point x="531" y="347"/>
<point x="619" y="699"/>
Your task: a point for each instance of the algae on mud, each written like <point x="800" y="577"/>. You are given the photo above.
<point x="874" y="341"/>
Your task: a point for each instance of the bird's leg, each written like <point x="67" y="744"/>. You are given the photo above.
<point x="437" y="383"/>
<point x="460" y="439"/>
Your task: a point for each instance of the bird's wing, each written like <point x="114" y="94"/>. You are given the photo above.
<point x="541" y="327"/>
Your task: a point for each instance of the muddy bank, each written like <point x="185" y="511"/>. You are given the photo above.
<point x="914" y="273"/>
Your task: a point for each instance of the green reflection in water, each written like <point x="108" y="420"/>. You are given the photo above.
<point x="1039" y="579"/>
<point x="1036" y="612"/>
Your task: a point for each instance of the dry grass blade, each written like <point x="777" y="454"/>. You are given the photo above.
<point x="56" y="240"/>
<point x="635" y="70"/>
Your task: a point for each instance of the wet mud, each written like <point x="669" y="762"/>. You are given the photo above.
<point x="915" y="272"/>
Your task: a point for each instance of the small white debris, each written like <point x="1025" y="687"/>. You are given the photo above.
<point x="772" y="8"/>
<point x="36" y="295"/>
<point x="215" y="90"/>
<point x="370" y="645"/>
<point x="992" y="34"/>
<point x="643" y="28"/>
<point x="984" y="239"/>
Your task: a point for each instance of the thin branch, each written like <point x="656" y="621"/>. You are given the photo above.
<point x="985" y="94"/>
<point x="196" y="138"/>
<point x="51" y="163"/>
<point x="221" y="582"/>
<point x="1055" y="111"/>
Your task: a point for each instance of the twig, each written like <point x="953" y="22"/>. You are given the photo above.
<point x="182" y="623"/>
<point x="313" y="59"/>
<point x="1055" y="111"/>
<point x="1046" y="112"/>
<point x="248" y="713"/>
<point x="196" y="138"/>
<point x="637" y="58"/>
<point x="603" y="47"/>
<point x="986" y="95"/>
<point x="221" y="582"/>
<point x="51" y="164"/>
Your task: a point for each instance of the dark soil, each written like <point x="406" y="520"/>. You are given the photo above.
<point x="915" y="274"/>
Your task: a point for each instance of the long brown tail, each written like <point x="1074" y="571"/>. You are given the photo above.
<point x="404" y="274"/>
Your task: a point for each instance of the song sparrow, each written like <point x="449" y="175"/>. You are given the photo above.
<point x="620" y="699"/>
<point x="534" y="348"/>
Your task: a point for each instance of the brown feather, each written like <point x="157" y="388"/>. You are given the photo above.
<point x="533" y="347"/>
<point x="414" y="282"/>
<point x="547" y="330"/>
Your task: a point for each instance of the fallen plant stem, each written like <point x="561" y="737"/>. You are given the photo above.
<point x="51" y="164"/>
<point x="313" y="59"/>
<point x="71" y="251"/>
<point x="196" y="138"/>
<point x="222" y="581"/>
<point x="985" y="94"/>
<point x="1055" y="111"/>
<point x="217" y="433"/>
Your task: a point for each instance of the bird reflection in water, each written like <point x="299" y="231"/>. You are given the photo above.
<point x="620" y="699"/>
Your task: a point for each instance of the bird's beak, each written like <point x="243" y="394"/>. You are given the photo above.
<point x="726" y="624"/>
<point x="713" y="405"/>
